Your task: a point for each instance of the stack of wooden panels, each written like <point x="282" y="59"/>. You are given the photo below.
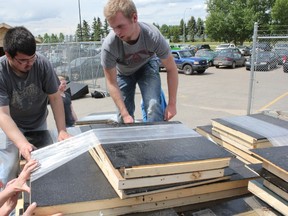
<point x="273" y="187"/>
<point x="80" y="187"/>
<point x="240" y="134"/>
<point x="243" y="154"/>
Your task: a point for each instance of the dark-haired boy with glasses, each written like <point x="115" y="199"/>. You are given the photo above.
<point x="27" y="82"/>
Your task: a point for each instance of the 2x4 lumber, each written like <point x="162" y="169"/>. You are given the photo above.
<point x="275" y="189"/>
<point x="172" y="168"/>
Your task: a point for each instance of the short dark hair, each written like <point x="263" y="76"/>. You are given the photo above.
<point x="19" y="39"/>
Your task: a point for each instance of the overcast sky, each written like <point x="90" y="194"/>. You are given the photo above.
<point x="55" y="16"/>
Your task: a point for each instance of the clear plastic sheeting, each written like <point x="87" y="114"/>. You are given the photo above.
<point x="143" y="133"/>
<point x="277" y="136"/>
<point x="57" y="154"/>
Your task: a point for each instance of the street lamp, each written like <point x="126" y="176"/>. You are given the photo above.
<point x="184" y="24"/>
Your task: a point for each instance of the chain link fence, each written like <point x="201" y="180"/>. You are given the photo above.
<point x="268" y="61"/>
<point x="77" y="61"/>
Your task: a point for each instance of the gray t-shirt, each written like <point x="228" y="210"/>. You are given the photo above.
<point x="129" y="58"/>
<point x="28" y="97"/>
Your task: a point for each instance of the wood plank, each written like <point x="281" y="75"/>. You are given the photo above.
<point x="172" y="168"/>
<point x="276" y="189"/>
<point x="256" y="187"/>
<point x="229" y="128"/>
<point x="93" y="208"/>
<point x="238" y="141"/>
<point x="275" y="160"/>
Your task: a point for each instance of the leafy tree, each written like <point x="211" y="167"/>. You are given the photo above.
<point x="46" y="38"/>
<point x="175" y="32"/>
<point x="231" y="20"/>
<point x="165" y="31"/>
<point x="280" y="17"/>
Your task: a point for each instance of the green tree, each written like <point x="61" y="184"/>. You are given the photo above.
<point x="61" y="37"/>
<point x="79" y="33"/>
<point x="86" y="31"/>
<point x="175" y="33"/>
<point x="105" y="28"/>
<point x="96" y="28"/>
<point x="183" y="32"/>
<point x="192" y="28"/>
<point x="165" y="31"/>
<point x="280" y="17"/>
<point x="232" y="20"/>
<point x="200" y="29"/>
<point x="46" y="38"/>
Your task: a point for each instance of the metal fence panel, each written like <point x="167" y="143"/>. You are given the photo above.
<point x="77" y="61"/>
<point x="269" y="61"/>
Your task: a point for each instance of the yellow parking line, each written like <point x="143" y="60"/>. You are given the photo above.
<point x="274" y="101"/>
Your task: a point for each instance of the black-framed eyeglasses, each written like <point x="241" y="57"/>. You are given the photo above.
<point x="26" y="61"/>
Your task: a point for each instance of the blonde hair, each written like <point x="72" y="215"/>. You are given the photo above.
<point x="127" y="7"/>
<point x="61" y="78"/>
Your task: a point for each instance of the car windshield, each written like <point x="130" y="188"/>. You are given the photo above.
<point x="204" y="53"/>
<point x="185" y="54"/>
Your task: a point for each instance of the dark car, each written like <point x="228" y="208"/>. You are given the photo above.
<point x="82" y="68"/>
<point x="285" y="65"/>
<point x="202" y="46"/>
<point x="187" y="63"/>
<point x="245" y="50"/>
<point x="264" y="60"/>
<point x="282" y="54"/>
<point x="209" y="55"/>
<point x="230" y="57"/>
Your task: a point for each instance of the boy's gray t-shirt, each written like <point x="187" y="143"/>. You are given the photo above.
<point x="28" y="97"/>
<point x="129" y="58"/>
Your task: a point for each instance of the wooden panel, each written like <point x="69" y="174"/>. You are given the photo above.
<point x="242" y="153"/>
<point x="275" y="160"/>
<point x="163" y="151"/>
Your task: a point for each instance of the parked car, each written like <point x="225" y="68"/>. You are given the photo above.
<point x="224" y="46"/>
<point x="202" y="46"/>
<point x="281" y="45"/>
<point x="187" y="63"/>
<point x="245" y="50"/>
<point x="263" y="46"/>
<point x="82" y="68"/>
<point x="209" y="55"/>
<point x="264" y="60"/>
<point x="230" y="57"/>
<point x="285" y="65"/>
<point x="282" y="54"/>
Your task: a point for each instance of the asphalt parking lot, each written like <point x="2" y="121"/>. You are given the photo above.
<point x="217" y="93"/>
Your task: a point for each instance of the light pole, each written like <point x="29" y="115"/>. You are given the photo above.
<point x="80" y="20"/>
<point x="184" y="24"/>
